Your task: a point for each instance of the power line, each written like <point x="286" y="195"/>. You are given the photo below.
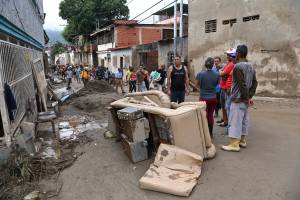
<point x="129" y="2"/>
<point x="158" y="11"/>
<point x="147" y="9"/>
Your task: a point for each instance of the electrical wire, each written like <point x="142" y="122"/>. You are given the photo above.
<point x="147" y="9"/>
<point x="158" y="11"/>
<point x="129" y="2"/>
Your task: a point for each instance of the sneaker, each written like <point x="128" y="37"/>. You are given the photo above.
<point x="223" y="125"/>
<point x="232" y="146"/>
<point x="243" y="142"/>
<point x="220" y="121"/>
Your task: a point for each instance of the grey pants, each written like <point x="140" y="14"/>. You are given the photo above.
<point x="238" y="123"/>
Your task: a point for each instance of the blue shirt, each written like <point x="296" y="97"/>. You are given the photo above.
<point x="208" y="80"/>
<point x="215" y="69"/>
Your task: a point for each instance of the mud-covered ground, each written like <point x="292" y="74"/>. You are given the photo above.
<point x="268" y="169"/>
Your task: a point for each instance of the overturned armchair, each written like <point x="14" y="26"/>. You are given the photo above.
<point x="149" y="124"/>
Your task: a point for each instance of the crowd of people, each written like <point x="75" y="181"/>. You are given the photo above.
<point x="82" y="74"/>
<point x="228" y="87"/>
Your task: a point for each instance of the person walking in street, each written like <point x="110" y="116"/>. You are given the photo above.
<point x="217" y="66"/>
<point x="131" y="78"/>
<point x="69" y="76"/>
<point x="141" y="75"/>
<point x="225" y="84"/>
<point x="163" y="75"/>
<point x="146" y="80"/>
<point x="207" y="81"/>
<point x="85" y="76"/>
<point x="119" y="80"/>
<point x="77" y="73"/>
<point x="243" y="89"/>
<point x="178" y="81"/>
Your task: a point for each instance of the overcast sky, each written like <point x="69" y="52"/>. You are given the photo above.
<point x="53" y="21"/>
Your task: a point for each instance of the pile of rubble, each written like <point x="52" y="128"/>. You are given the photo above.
<point x="94" y="86"/>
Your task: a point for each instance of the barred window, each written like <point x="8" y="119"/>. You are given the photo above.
<point x="229" y="21"/>
<point x="211" y="26"/>
<point x="251" y="18"/>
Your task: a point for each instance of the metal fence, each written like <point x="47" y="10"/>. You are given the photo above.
<point x="16" y="70"/>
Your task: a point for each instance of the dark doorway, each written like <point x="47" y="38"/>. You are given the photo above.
<point x="121" y="62"/>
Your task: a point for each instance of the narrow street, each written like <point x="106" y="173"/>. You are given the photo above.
<point x="267" y="169"/>
<point x="116" y="100"/>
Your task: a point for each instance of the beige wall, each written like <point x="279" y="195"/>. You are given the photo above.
<point x="278" y="29"/>
<point x="164" y="47"/>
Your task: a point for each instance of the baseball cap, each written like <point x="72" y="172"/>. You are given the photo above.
<point x="231" y="52"/>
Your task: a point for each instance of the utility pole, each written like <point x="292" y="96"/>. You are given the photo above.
<point x="175" y="29"/>
<point x="181" y="28"/>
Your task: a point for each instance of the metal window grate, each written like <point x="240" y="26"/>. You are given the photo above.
<point x="229" y="21"/>
<point x="211" y="26"/>
<point x="251" y="18"/>
<point x="16" y="70"/>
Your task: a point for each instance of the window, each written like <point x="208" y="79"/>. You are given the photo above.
<point x="251" y="18"/>
<point x="121" y="62"/>
<point x="229" y="21"/>
<point x="211" y="26"/>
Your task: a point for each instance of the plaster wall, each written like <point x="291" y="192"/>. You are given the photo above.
<point x="273" y="40"/>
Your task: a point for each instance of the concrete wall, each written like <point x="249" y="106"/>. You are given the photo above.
<point x="25" y="16"/>
<point x="273" y="40"/>
<point x="103" y="56"/>
<point x="166" y="46"/>
<point x="126" y="54"/>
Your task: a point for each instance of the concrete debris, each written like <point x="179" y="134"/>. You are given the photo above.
<point x="49" y="153"/>
<point x="74" y="125"/>
<point x="67" y="134"/>
<point x="109" y="134"/>
<point x="32" y="196"/>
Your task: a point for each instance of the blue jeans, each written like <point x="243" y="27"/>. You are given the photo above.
<point x="141" y="87"/>
<point x="177" y="96"/>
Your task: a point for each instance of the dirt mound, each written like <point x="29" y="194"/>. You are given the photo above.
<point x="96" y="86"/>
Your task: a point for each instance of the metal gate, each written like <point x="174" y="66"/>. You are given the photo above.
<point x="16" y="70"/>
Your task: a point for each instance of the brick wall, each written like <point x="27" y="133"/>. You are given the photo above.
<point x="130" y="36"/>
<point x="151" y="35"/>
<point x="127" y="36"/>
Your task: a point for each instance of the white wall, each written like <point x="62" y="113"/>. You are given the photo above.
<point x="104" y="47"/>
<point x="127" y="58"/>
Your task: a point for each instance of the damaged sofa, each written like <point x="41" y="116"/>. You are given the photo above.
<point x="186" y="123"/>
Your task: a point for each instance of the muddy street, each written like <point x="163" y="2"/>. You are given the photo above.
<point x="267" y="169"/>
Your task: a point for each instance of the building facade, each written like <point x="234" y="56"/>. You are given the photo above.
<point x="22" y="40"/>
<point x="116" y="43"/>
<point x="270" y="28"/>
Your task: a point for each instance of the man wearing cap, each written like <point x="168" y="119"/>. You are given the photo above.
<point x="243" y="89"/>
<point x="225" y="84"/>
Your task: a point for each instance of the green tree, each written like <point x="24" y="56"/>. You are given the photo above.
<point x="56" y="49"/>
<point x="82" y="15"/>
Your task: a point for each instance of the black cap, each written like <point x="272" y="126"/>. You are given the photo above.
<point x="242" y="50"/>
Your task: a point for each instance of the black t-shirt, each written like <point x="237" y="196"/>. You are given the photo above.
<point x="178" y="79"/>
<point x="163" y="75"/>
